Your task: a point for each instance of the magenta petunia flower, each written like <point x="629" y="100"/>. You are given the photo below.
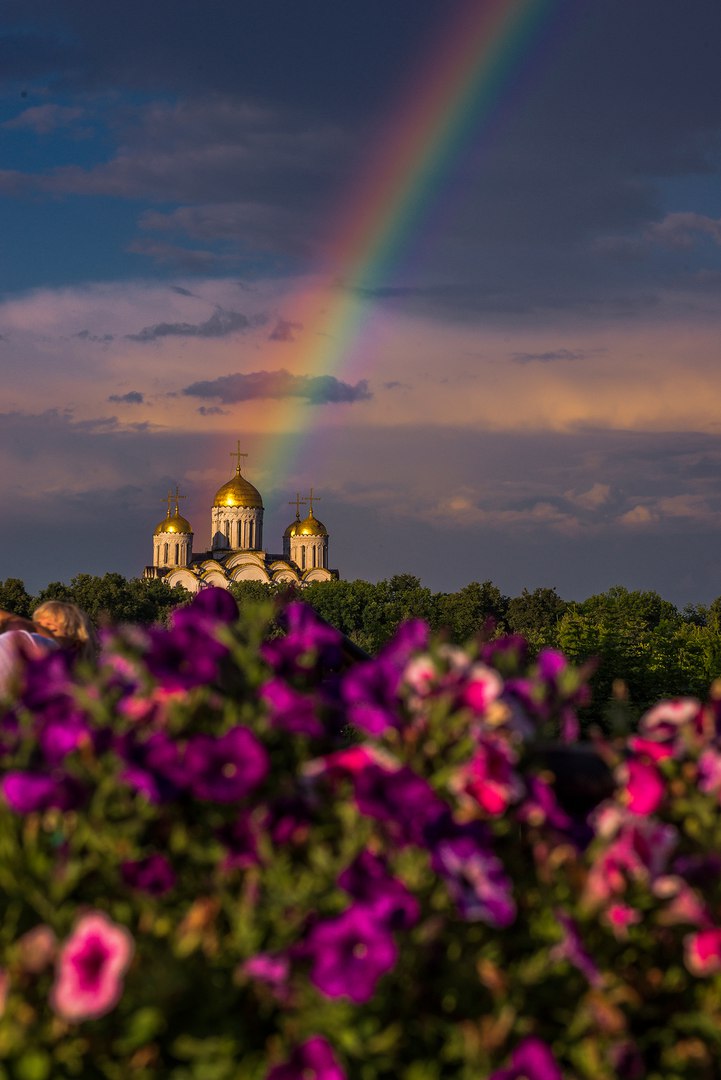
<point x="531" y="1060"/>
<point x="619" y="917"/>
<point x="28" y="792"/>
<point x="489" y="778"/>
<point x="90" y="968"/>
<point x="271" y="969"/>
<point x="227" y="768"/>
<point x="314" y="1060"/>
<point x="703" y="952"/>
<point x="644" y="786"/>
<point x="350" y="953"/>
<point x="480" y="689"/>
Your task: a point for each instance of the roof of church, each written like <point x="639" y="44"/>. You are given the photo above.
<point x="175" y="524"/>
<point x="310" y="527"/>
<point x="238" y="492"/>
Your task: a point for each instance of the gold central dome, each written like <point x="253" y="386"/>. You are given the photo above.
<point x="174" y="524"/>
<point x="292" y="529"/>
<point x="238" y="492"/>
<point x="311" y="527"/>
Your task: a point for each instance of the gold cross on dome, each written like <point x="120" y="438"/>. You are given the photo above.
<point x="169" y="500"/>
<point x="311" y="499"/>
<point x="237" y="454"/>
<point x="178" y="497"/>
<point x="296" y="502"/>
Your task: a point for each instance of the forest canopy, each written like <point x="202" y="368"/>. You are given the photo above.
<point x="642" y="646"/>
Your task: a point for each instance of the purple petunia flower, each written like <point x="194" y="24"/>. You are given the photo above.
<point x="271" y="969"/>
<point x="290" y="710"/>
<point x="370" y="691"/>
<point x="475" y="877"/>
<point x="572" y="949"/>
<point x="349" y="954"/>
<point x="370" y="883"/>
<point x="227" y="768"/>
<point x="531" y="1060"/>
<point x="307" y="642"/>
<point x="211" y="606"/>
<point x="185" y="656"/>
<point x="410" y="637"/>
<point x="152" y="766"/>
<point x="153" y="875"/>
<point x="242" y="843"/>
<point x="405" y="803"/>
<point x="313" y="1060"/>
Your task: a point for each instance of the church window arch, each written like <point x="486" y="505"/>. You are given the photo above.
<point x="302" y="557"/>
<point x="177" y="553"/>
<point x="250" y="534"/>
<point x="165" y="553"/>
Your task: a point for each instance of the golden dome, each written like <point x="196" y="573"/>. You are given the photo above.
<point x="238" y="492"/>
<point x="174" y="524"/>
<point x="311" y="527"/>
<point x="292" y="529"/>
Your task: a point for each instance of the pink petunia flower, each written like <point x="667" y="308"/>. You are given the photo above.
<point x="90" y="968"/>
<point x="620" y="917"/>
<point x="644" y="787"/>
<point x="703" y="952"/>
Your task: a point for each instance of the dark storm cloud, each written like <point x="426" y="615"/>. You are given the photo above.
<point x="133" y="397"/>
<point x="315" y="389"/>
<point x="101" y="339"/>
<point x="546" y="357"/>
<point x="284" y="330"/>
<point x="560" y="211"/>
<point x="220" y="324"/>
<point x="211" y="410"/>
<point x="190" y="260"/>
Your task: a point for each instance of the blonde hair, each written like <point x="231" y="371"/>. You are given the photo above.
<point x="74" y="629"/>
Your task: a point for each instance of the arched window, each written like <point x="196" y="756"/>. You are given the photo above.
<point x="302" y="557"/>
<point x="250" y="534"/>
<point x="165" y="553"/>
<point x="240" y="534"/>
<point x="177" y="554"/>
<point x="227" y="531"/>
<point x="314" y="556"/>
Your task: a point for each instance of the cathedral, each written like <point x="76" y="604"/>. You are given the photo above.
<point x="236" y="542"/>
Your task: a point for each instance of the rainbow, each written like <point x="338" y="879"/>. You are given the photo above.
<point x="455" y="92"/>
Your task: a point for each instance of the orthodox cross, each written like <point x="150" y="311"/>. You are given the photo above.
<point x="296" y="502"/>
<point x="174" y="496"/>
<point x="178" y="497"/>
<point x="237" y="454"/>
<point x="311" y="499"/>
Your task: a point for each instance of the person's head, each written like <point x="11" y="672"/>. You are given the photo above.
<point x="70" y="626"/>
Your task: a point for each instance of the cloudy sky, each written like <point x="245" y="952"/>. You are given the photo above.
<point x="473" y="298"/>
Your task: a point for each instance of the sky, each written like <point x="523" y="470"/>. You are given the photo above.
<point x="455" y="264"/>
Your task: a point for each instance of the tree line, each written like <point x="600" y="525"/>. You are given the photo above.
<point x="643" y="646"/>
